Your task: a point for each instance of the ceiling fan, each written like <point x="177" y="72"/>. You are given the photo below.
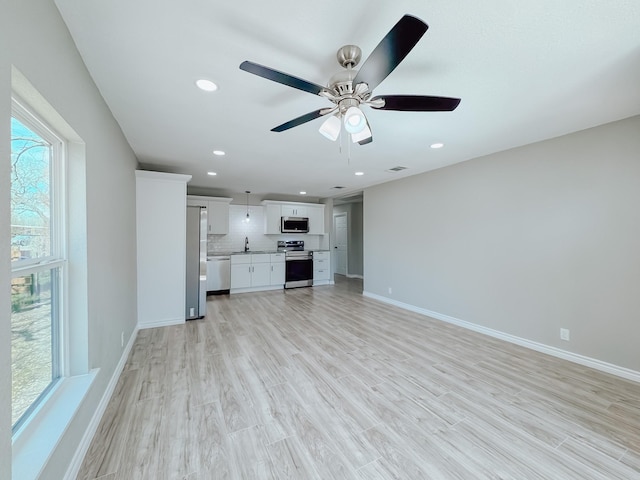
<point x="349" y="89"/>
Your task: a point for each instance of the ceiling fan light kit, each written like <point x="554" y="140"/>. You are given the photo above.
<point x="330" y="128"/>
<point x="362" y="135"/>
<point x="350" y="89"/>
<point x="354" y="121"/>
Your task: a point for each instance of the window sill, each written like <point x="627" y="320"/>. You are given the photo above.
<point x="34" y="442"/>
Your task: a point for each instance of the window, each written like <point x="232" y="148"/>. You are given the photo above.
<point x="37" y="260"/>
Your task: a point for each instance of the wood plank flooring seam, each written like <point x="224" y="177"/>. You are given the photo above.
<point x="325" y="383"/>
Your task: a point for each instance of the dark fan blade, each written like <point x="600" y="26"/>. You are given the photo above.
<point x="391" y="51"/>
<point x="300" y="120"/>
<point x="417" y="103"/>
<point x="281" y="77"/>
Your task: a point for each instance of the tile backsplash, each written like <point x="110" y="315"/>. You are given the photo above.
<point x="239" y="228"/>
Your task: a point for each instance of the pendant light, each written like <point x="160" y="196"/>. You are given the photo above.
<point x="247" y="219"/>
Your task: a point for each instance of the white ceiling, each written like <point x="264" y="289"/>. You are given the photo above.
<point x="525" y="71"/>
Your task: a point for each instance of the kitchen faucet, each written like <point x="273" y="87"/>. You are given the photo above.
<point x="246" y="244"/>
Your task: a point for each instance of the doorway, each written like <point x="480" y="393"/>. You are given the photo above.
<point x="341" y="246"/>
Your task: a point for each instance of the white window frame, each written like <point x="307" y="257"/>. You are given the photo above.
<point x="56" y="261"/>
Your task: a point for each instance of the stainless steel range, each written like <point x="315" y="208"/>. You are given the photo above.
<point x="298" y="264"/>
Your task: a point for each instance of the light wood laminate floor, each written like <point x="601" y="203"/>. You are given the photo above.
<point x="322" y="383"/>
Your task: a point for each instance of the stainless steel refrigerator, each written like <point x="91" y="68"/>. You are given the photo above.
<point x="196" y="284"/>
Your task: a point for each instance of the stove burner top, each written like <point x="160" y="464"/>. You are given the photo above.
<point x="291" y="245"/>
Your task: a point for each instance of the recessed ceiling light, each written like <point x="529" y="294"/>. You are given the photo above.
<point x="437" y="145"/>
<point x="206" y="85"/>
<point x="219" y="153"/>
<point x="303" y="193"/>
<point x="211" y="173"/>
<point x="359" y="173"/>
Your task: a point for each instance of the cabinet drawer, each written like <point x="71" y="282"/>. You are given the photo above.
<point x="321" y="255"/>
<point x="260" y="258"/>
<point x="321" y="274"/>
<point x="277" y="257"/>
<point x="239" y="259"/>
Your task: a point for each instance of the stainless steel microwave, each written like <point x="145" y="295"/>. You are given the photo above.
<point x="294" y="225"/>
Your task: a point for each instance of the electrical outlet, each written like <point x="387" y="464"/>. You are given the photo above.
<point x="564" y="334"/>
<point x="122" y="339"/>
<point x="390" y="291"/>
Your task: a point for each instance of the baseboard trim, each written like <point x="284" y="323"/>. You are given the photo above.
<point x="355" y="275"/>
<point x="266" y="288"/>
<point x="161" y="323"/>
<point x="85" y="442"/>
<point x="594" y="363"/>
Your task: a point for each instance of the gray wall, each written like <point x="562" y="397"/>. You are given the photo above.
<point x="43" y="51"/>
<point x="355" y="240"/>
<point x="524" y="241"/>
<point x="354" y="236"/>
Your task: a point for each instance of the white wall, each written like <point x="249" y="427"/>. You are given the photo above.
<point x="5" y="242"/>
<point x="524" y="242"/>
<point x="42" y="49"/>
<point x="161" y="202"/>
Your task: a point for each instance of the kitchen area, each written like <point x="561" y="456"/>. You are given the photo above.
<point x="270" y="246"/>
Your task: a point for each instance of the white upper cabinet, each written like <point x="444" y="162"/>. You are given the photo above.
<point x="195" y="201"/>
<point x="293" y="210"/>
<point x="272" y="214"/>
<point x="218" y="217"/>
<point x="217" y="212"/>
<point x="274" y="210"/>
<point x="316" y="220"/>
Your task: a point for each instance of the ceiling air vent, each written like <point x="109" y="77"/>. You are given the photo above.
<point x="396" y="169"/>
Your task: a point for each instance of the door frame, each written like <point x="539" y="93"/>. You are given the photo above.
<point x="335" y="247"/>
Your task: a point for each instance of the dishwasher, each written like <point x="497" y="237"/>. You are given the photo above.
<point x="218" y="274"/>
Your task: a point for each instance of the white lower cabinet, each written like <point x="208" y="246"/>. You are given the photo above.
<point x="240" y="271"/>
<point x="321" y="268"/>
<point x="258" y="271"/>
<point x="277" y="269"/>
<point x="252" y="272"/>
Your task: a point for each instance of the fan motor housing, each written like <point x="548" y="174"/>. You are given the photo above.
<point x="349" y="55"/>
<point x="342" y="82"/>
